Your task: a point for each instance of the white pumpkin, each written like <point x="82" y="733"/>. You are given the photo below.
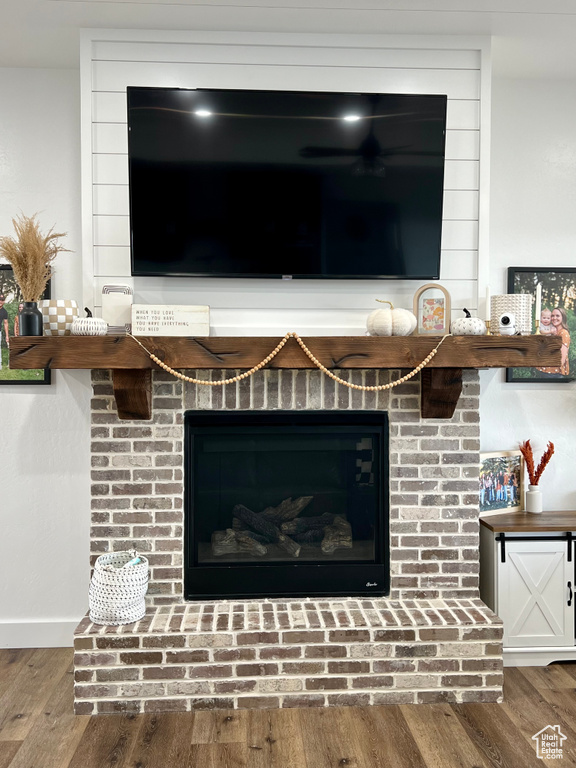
<point x="468" y="326"/>
<point x="89" y="326"/>
<point x="390" y="322"/>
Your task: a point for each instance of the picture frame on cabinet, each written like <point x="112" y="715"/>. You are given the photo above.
<point x="9" y="327"/>
<point x="431" y="307"/>
<point x="501" y="481"/>
<point x="554" y="292"/>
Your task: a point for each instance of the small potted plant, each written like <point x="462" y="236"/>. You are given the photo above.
<point x="533" y="494"/>
<point x="31" y="254"/>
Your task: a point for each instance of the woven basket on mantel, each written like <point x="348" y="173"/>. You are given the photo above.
<point x="117" y="590"/>
<point x="518" y="304"/>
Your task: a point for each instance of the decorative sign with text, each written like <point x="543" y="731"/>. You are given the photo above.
<point x="170" y="320"/>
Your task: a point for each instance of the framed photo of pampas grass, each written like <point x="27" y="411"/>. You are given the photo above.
<point x="554" y="314"/>
<point x="10" y="304"/>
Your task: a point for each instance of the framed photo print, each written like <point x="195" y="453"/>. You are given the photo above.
<point x="501" y="481"/>
<point x="554" y="292"/>
<point x="10" y="301"/>
<point x="432" y="310"/>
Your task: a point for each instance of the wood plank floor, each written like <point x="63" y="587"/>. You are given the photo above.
<point x="38" y="729"/>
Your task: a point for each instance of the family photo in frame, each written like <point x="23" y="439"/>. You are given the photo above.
<point x="554" y="308"/>
<point x="500" y="481"/>
<point x="10" y="305"/>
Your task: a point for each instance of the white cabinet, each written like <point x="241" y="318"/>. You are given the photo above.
<point x="534" y="598"/>
<point x="528" y="580"/>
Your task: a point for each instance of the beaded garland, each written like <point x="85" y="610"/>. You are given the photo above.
<point x="281" y="343"/>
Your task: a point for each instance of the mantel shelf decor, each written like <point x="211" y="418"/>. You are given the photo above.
<point x="132" y="366"/>
<point x="30" y="254"/>
<point x="533" y="495"/>
<point x="266" y="360"/>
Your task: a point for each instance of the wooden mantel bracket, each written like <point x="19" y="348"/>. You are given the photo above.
<point x="133" y="393"/>
<point x="441" y="388"/>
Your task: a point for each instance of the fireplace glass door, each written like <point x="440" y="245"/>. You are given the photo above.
<point x="286" y="503"/>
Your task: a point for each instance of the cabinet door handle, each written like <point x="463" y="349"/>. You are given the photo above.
<point x="570" y="593"/>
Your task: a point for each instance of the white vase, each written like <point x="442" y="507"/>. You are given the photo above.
<point x="533" y="500"/>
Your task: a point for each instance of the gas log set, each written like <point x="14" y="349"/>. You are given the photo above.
<point x="257" y="533"/>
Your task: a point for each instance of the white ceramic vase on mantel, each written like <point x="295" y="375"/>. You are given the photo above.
<point x="533" y="500"/>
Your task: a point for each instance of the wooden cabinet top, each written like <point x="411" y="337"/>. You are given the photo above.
<point x="523" y="522"/>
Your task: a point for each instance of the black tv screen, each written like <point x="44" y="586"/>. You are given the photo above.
<point x="242" y="183"/>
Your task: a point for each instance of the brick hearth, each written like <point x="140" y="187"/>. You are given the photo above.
<point x="432" y="635"/>
<point x="277" y="653"/>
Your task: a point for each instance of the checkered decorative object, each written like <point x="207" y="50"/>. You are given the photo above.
<point x="58" y="315"/>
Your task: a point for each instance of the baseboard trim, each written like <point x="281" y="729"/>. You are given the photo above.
<point x="537" y="657"/>
<point x="38" y="634"/>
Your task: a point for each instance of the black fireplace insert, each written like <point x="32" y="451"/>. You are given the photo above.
<point x="286" y="504"/>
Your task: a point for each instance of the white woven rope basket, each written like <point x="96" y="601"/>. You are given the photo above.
<point x="117" y="590"/>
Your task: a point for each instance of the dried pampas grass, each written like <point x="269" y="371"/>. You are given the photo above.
<point x="534" y="474"/>
<point x="31" y="254"/>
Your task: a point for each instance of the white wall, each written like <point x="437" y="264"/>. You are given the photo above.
<point x="44" y="470"/>
<point x="533" y="223"/>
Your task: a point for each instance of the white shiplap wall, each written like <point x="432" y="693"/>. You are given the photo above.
<point x="112" y="60"/>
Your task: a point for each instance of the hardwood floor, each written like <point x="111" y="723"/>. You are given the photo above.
<point x="38" y="729"/>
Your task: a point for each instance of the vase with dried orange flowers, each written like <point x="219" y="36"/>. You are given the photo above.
<point x="31" y="254"/>
<point x="533" y="494"/>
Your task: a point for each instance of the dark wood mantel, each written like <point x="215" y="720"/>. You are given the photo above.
<point x="131" y="366"/>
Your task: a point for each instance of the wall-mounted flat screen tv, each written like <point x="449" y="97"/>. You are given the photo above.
<point x="243" y="183"/>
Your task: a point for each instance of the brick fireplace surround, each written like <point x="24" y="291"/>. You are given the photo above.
<point x="432" y="640"/>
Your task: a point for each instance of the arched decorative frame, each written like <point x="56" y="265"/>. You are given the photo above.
<point x="432" y="309"/>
